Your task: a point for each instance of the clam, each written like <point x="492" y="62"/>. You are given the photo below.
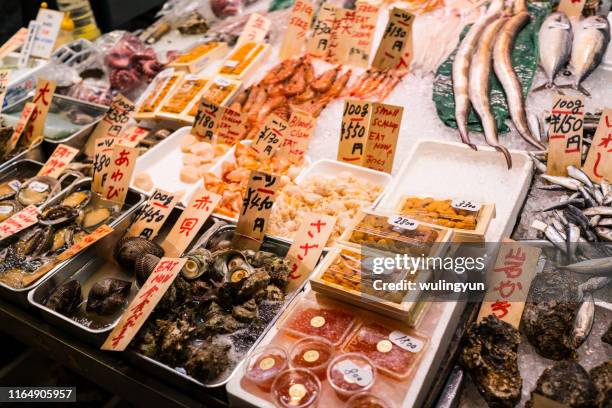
<point x="77" y="199"/>
<point x="66" y="298"/>
<point x="92" y="218"/>
<point x="108" y="296"/>
<point x="128" y="249"/>
<point x="8" y="189"/>
<point x="37" y="190"/>
<point x="7" y="208"/>
<point x="144" y="265"/>
<point x="35" y="243"/>
<point x="58" y="216"/>
<point x="198" y="262"/>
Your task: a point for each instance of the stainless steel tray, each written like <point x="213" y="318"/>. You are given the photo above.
<point x="20" y="296"/>
<point x="185" y="381"/>
<point x="93" y="264"/>
<point x="34" y="153"/>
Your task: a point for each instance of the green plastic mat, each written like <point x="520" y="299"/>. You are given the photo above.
<point x="524" y="60"/>
<point x="280" y="4"/>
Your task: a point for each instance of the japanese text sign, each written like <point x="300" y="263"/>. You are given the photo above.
<point x="295" y="34"/>
<point x="396" y="39"/>
<point x="257" y="205"/>
<point x="143" y="303"/>
<point x="565" y="134"/>
<point x="301" y="126"/>
<point x="270" y="137"/>
<point x="382" y="136"/>
<point x="59" y="159"/>
<point x="509" y="281"/>
<point x="113" y="122"/>
<point x="86" y="241"/>
<point x="50" y="23"/>
<point x="354" y="131"/>
<point x="308" y="244"/>
<point x="320" y="37"/>
<point x="16" y="41"/>
<point x="22" y="124"/>
<point x="571" y="8"/>
<point x="103" y="155"/>
<point x="342" y="37"/>
<point x="19" y="221"/>
<point x="231" y="127"/>
<point x="366" y="15"/>
<point x="201" y="205"/>
<point x="598" y="164"/>
<point x="152" y="215"/>
<point x="116" y="180"/>
<point x="26" y="49"/>
<point x="42" y="101"/>
<point x="255" y="30"/>
<point x="132" y="135"/>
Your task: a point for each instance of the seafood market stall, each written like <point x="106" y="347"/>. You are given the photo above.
<point x="360" y="204"/>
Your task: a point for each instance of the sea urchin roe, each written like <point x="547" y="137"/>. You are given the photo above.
<point x="196" y="52"/>
<point x="312" y="353"/>
<point x="393" y="352"/>
<point x="351" y="373"/>
<point x="157" y="95"/>
<point x="240" y="59"/>
<point x="331" y="324"/>
<point x="185" y="93"/>
<point x="296" y="388"/>
<point x="264" y="365"/>
<point x="439" y="212"/>
<point x="216" y="93"/>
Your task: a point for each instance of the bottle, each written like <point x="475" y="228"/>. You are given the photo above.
<point x="84" y="22"/>
<point x="65" y="35"/>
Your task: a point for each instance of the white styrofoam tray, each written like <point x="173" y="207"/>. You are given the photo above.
<point x="451" y="169"/>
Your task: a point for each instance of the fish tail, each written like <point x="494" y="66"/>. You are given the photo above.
<point x="539" y="88"/>
<point x="506" y="154"/>
<point x="582" y="89"/>
<point x="465" y="135"/>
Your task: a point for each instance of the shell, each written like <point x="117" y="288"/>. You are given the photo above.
<point x="36" y="242"/>
<point x="108" y="296"/>
<point x="94" y="217"/>
<point x="77" y="199"/>
<point x="7" y="208"/>
<point x="66" y="298"/>
<point x="36" y="190"/>
<point x="58" y="216"/>
<point x="198" y="262"/>
<point x="62" y="238"/>
<point x="144" y="265"/>
<point x="128" y="249"/>
<point x="8" y="189"/>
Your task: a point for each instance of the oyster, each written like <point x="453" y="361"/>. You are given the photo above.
<point x="207" y="361"/>
<point x="8" y="189"/>
<point x="490" y="356"/>
<point x="128" y="249"/>
<point x="601" y="376"/>
<point x="173" y="336"/>
<point x="245" y="312"/>
<point x="37" y="190"/>
<point x="568" y="383"/>
<point x="66" y="298"/>
<point x="92" y="218"/>
<point x="144" y="265"/>
<point x="550" y="313"/>
<point x="77" y="199"/>
<point x="58" y="216"/>
<point x="108" y="296"/>
<point x="217" y="321"/>
<point x="273" y="294"/>
<point x="252" y="284"/>
<point x="7" y="208"/>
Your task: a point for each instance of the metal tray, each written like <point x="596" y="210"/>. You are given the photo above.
<point x="187" y="382"/>
<point x="93" y="264"/>
<point x="35" y="153"/>
<point x="20" y="296"/>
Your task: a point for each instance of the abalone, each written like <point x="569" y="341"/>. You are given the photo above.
<point x="37" y="190"/>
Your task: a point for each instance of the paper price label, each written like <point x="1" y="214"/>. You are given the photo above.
<point x="58" y="161"/>
<point x="50" y="23"/>
<point x="22" y="124"/>
<point x="103" y="155"/>
<point x="143" y="303"/>
<point x="396" y="38"/>
<point x="19" y="221"/>
<point x="201" y="205"/>
<point x="598" y="164"/>
<point x="255" y="30"/>
<point x="382" y="137"/>
<point x="4" y="74"/>
<point x="353" y="373"/>
<point x="295" y="34"/>
<point x="86" y="241"/>
<point x="270" y="137"/>
<point x="132" y="136"/>
<point x="320" y="37"/>
<point x="343" y="36"/>
<point x="354" y="131"/>
<point x="151" y="216"/>
<point x="406" y="342"/>
<point x="113" y="123"/>
<point x="403" y="222"/>
<point x="308" y="244"/>
<point x="467" y="205"/>
<point x="119" y="173"/>
<point x="232" y="126"/>
<point x="16" y="41"/>
<point x="301" y="126"/>
<point x="565" y="134"/>
<point x="206" y="121"/>
<point x="42" y="101"/>
<point x="26" y="49"/>
<point x="360" y="43"/>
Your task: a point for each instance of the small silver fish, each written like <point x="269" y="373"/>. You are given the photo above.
<point x="561" y="217"/>
<point x="579" y="175"/>
<point x="605" y="187"/>
<point x="594" y="283"/>
<point x="604" y="233"/>
<point x="583" y="322"/>
<point x="598" y="266"/>
<point x="594" y="221"/>
<point x="605" y="222"/>
<point x="587" y="197"/>
<point x="597" y="195"/>
<point x="572" y="233"/>
<point x="600" y="210"/>
<point x="578" y="202"/>
<point x="539" y="165"/>
<point x="554" y="236"/>
<point x="567" y="182"/>
<point x="608" y="198"/>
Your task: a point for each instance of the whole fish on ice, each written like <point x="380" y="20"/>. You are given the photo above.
<point x="555" y="46"/>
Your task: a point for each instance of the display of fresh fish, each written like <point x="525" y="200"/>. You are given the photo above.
<point x="578" y="202"/>
<point x="572" y="233"/>
<point x="583" y="322"/>
<point x="605" y="187"/>
<point x="579" y="175"/>
<point x="554" y="236"/>
<point x="502" y="64"/>
<point x="605" y="222"/>
<point x="480" y="71"/>
<point x="555" y="46"/>
<point x="590" y="43"/>
<point x="599" y="266"/>
<point x="461" y="71"/>
<point x="601" y="210"/>
<point x="569" y="183"/>
<point x="587" y="196"/>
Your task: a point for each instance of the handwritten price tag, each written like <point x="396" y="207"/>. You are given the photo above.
<point x="232" y="127"/>
<point x="320" y="38"/>
<point x="206" y="121"/>
<point x="397" y="36"/>
<point x="42" y="101"/>
<point x="406" y="342"/>
<point x="353" y="133"/>
<point x="382" y="136"/>
<point x="295" y="35"/>
<point x="86" y="241"/>
<point x="565" y="134"/>
<point x="19" y="221"/>
<point x="360" y="42"/>
<point x="103" y="155"/>
<point x="201" y="205"/>
<point x="255" y="30"/>
<point x="297" y="137"/>
<point x="132" y="136"/>
<point x="151" y="216"/>
<point x="572" y="8"/>
<point x="356" y="374"/>
<point x="16" y="41"/>
<point x="308" y="244"/>
<point x="343" y="36"/>
<point x="466" y="205"/>
<point x="143" y="303"/>
<point x="116" y="185"/>
<point x="270" y="137"/>
<point x="113" y="122"/>
<point x="403" y="222"/>
<point x="59" y="159"/>
<point x="598" y="164"/>
<point x="24" y="121"/>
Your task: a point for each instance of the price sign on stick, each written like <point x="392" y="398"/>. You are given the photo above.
<point x="103" y="155"/>
<point x="320" y="37"/>
<point x="232" y="126"/>
<point x="360" y="43"/>
<point x="354" y="131"/>
<point x="308" y="244"/>
<point x="598" y="164"/>
<point x="508" y="282"/>
<point x="256" y="208"/>
<point x="88" y="240"/>
<point x="572" y="8"/>
<point x="119" y="173"/>
<point x="132" y="135"/>
<point x="22" y="124"/>
<point x="295" y="34"/>
<point x="255" y="30"/>
<point x="26" y="49"/>
<point x="206" y="121"/>
<point x="143" y="303"/>
<point x="58" y="161"/>
<point x="270" y="137"/>
<point x="201" y="205"/>
<point x="113" y="123"/>
<point x="19" y="221"/>
<point x="301" y="126"/>
<point x="16" y="41"/>
<point x="4" y="74"/>
<point x="42" y="101"/>
<point x="151" y="216"/>
<point x="565" y="134"/>
<point x="396" y="38"/>
<point x="343" y="36"/>
<point x="382" y="136"/>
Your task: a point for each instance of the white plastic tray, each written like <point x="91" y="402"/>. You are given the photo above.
<point x="163" y="164"/>
<point x="440" y="168"/>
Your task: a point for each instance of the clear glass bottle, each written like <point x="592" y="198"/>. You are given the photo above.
<point x="84" y="21"/>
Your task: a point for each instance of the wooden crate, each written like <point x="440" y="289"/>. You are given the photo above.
<point x="199" y="56"/>
<point x="238" y="55"/>
<point x="156" y="93"/>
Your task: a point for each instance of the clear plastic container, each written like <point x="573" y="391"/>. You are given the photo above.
<point x="351" y="373"/>
<point x="310" y="319"/>
<point x="366" y="400"/>
<point x="312" y="353"/>
<point x="440" y="212"/>
<point x="296" y="388"/>
<point x="264" y="364"/>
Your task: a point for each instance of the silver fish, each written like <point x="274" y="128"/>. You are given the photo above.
<point x="598" y="266"/>
<point x="502" y="64"/>
<point x="572" y="233"/>
<point x="554" y="236"/>
<point x="594" y="283"/>
<point x="605" y="187"/>
<point x="555" y="44"/>
<point x="595" y="221"/>
<point x="597" y="196"/>
<point x="587" y="197"/>
<point x="569" y="183"/>
<point x="605" y="222"/>
<point x="460" y="74"/>
<point x="579" y="202"/>
<point x="583" y="322"/>
<point x="561" y="217"/>
<point x="535" y="126"/>
<point x="579" y="175"/>
<point x="590" y="43"/>
<point x="608" y="198"/>
<point x="604" y="233"/>
<point x="480" y="71"/>
<point x="601" y="210"/>
<point x="539" y="165"/>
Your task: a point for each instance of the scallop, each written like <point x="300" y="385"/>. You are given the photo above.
<point x="128" y="249"/>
